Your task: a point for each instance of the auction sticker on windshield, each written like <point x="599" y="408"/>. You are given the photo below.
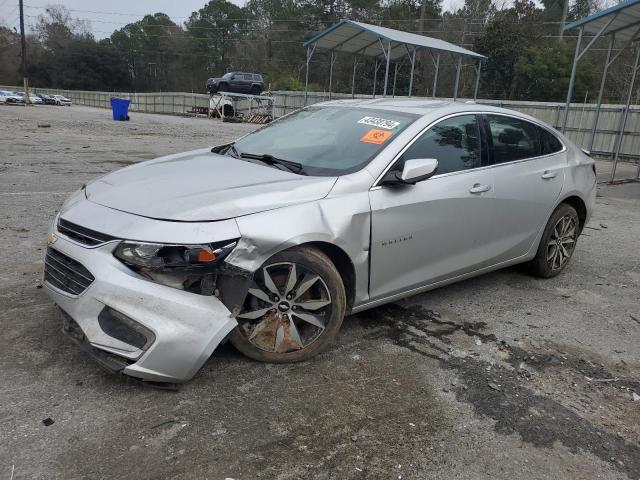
<point x="376" y="136"/>
<point x="379" y="122"/>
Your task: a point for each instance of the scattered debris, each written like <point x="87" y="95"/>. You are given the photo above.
<point x="478" y="341"/>
<point x="354" y="438"/>
<point x="495" y="387"/>
<point x="358" y="469"/>
<point x="47" y="422"/>
<point x="413" y="424"/>
<point x="44" y="125"/>
<point x="603" y="225"/>
<point x="592" y="228"/>
<point x="635" y="396"/>
<point x="603" y="380"/>
<point x="634" y="318"/>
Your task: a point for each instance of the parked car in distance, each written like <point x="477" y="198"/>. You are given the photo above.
<point x="33" y="99"/>
<point x="62" y="100"/>
<point x="11" y="97"/>
<point x="47" y="99"/>
<point x="271" y="240"/>
<point x="237" y="82"/>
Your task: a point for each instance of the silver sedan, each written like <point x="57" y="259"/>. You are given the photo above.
<point x="271" y="240"/>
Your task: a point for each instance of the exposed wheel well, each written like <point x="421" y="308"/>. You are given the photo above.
<point x="344" y="266"/>
<point x="577" y="203"/>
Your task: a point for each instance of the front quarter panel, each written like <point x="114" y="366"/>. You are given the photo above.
<point x="341" y="219"/>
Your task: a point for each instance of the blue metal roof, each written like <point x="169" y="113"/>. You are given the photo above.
<point x="362" y="38"/>
<point x="625" y="23"/>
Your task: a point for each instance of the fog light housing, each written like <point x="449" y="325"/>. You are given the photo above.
<point x="117" y="325"/>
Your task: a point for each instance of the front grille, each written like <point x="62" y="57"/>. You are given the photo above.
<point x="65" y="273"/>
<point x="81" y="234"/>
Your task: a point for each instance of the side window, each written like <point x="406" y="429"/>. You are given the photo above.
<point x="549" y="143"/>
<point x="513" y="139"/>
<point x="454" y="142"/>
<point x="257" y="78"/>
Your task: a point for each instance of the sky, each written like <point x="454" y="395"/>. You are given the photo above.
<point x="105" y="16"/>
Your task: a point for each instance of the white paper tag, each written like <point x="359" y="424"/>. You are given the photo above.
<point x="379" y="122"/>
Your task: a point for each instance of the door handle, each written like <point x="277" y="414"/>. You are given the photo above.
<point x="477" y="188"/>
<point x="548" y="174"/>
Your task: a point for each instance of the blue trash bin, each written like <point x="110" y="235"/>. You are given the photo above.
<point x="120" y="109"/>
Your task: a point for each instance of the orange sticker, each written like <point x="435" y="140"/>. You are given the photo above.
<point x="376" y="136"/>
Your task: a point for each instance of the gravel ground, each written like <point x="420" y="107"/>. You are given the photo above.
<point x="501" y="376"/>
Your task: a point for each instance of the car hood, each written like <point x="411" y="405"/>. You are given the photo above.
<point x="203" y="186"/>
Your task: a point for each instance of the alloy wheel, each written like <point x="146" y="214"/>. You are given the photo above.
<point x="562" y="242"/>
<point x="287" y="308"/>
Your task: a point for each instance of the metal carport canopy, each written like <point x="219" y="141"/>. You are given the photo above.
<point x="357" y="38"/>
<point x="620" y="23"/>
<point x="363" y="39"/>
<point x="619" y="19"/>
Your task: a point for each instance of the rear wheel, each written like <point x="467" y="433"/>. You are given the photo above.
<point x="294" y="309"/>
<point x="558" y="242"/>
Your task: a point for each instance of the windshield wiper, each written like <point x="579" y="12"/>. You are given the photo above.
<point x="234" y="151"/>
<point x="294" y="167"/>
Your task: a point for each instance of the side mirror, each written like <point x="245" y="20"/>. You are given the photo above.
<point x="417" y="169"/>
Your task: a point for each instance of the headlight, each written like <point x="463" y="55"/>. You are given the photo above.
<point x="161" y="256"/>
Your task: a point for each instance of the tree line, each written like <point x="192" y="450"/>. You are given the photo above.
<point x="529" y="58"/>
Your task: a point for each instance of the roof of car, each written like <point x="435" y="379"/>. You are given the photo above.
<point x="423" y="106"/>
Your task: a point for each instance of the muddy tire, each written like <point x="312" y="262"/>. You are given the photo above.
<point x="557" y="244"/>
<point x="294" y="309"/>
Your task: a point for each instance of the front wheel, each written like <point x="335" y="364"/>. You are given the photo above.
<point x="558" y="242"/>
<point x="294" y="309"/>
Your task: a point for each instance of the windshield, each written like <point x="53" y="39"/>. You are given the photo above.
<point x="227" y="76"/>
<point x="327" y="141"/>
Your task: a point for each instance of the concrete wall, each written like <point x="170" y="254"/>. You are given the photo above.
<point x="578" y="126"/>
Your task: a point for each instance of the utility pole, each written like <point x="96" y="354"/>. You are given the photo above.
<point x="24" y="55"/>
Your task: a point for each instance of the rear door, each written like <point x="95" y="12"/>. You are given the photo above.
<point x="437" y="228"/>
<point x="529" y="166"/>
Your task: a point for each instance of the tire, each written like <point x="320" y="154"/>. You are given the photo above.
<point x="256" y="90"/>
<point x="562" y="230"/>
<point x="264" y="330"/>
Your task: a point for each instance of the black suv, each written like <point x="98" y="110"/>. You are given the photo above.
<point x="237" y="82"/>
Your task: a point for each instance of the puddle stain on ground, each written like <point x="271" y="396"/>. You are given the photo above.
<point x="540" y="421"/>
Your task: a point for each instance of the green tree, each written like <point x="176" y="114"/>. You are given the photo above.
<point x="542" y="73"/>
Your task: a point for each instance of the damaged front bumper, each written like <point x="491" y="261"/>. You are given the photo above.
<point x="128" y="323"/>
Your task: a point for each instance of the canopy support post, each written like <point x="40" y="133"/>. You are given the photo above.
<point x="331" y="72"/>
<point x="353" y="80"/>
<point x="623" y="123"/>
<point x="594" y="127"/>
<point x="475" y="90"/>
<point x="413" y="65"/>
<point x="435" y="77"/>
<point x="386" y="72"/>
<point x="310" y="51"/>
<point x="572" y="79"/>
<point x="395" y="75"/>
<point x="375" y="78"/>
<point x="455" y="88"/>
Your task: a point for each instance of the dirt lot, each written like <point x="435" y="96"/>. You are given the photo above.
<point x="502" y="376"/>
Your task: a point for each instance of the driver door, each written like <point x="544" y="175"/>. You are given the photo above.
<point x="438" y="228"/>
